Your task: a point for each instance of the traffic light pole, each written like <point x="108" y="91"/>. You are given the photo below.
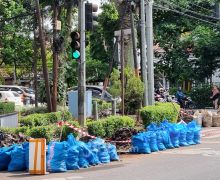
<point x="82" y="67"/>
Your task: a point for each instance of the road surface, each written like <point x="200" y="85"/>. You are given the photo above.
<point x="198" y="162"/>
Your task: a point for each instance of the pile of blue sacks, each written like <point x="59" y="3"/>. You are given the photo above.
<point x="166" y="136"/>
<point x="61" y="156"/>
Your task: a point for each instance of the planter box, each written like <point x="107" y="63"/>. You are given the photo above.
<point x="9" y="120"/>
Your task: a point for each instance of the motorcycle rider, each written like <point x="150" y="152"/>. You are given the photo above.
<point x="180" y="97"/>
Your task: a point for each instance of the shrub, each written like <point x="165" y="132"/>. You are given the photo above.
<point x="108" y="126"/>
<point x="7" y="107"/>
<point x="134" y="91"/>
<point x="45" y="119"/>
<point x="201" y="96"/>
<point x="65" y="130"/>
<point x="159" y="112"/>
<point x="41" y="132"/>
<point x="22" y="130"/>
<point x="33" y="110"/>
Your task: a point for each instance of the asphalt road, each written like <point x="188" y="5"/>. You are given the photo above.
<point x="198" y="162"/>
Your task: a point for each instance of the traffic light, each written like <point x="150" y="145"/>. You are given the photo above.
<point x="75" y="45"/>
<point x="90" y="15"/>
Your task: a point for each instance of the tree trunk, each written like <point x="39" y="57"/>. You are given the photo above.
<point x="43" y="56"/>
<point x="55" y="60"/>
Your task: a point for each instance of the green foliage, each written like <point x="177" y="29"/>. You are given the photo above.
<point x="33" y="110"/>
<point x="191" y="36"/>
<point x="134" y="90"/>
<point x="201" y="96"/>
<point x="60" y="90"/>
<point x="44" y="119"/>
<point x="108" y="126"/>
<point x="41" y="132"/>
<point x="103" y="105"/>
<point x="65" y="130"/>
<point x="159" y="112"/>
<point x="102" y="37"/>
<point x="115" y="88"/>
<point x="7" y="107"/>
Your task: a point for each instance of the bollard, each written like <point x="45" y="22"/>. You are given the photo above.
<point x="95" y="106"/>
<point x="113" y="107"/>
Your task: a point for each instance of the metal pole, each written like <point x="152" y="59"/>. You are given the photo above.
<point x="82" y="67"/>
<point x="95" y="111"/>
<point x="43" y="55"/>
<point x="143" y="53"/>
<point x="114" y="107"/>
<point x="150" y="51"/>
<point x="122" y="75"/>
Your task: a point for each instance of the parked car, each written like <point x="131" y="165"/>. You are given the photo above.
<point x="11" y="96"/>
<point x="97" y="93"/>
<point x="26" y="93"/>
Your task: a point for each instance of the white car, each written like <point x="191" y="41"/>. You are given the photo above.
<point x="11" y="96"/>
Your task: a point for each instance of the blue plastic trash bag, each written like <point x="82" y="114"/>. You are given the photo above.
<point x="26" y="149"/>
<point x="160" y="140"/>
<point x="152" y="127"/>
<point x="88" y="154"/>
<point x="166" y="138"/>
<point x="83" y="162"/>
<point x="94" y="157"/>
<point x="103" y="154"/>
<point x="72" y="153"/>
<point x="96" y="143"/>
<point x="174" y="135"/>
<point x="197" y="135"/>
<point x="17" y="162"/>
<point x="57" y="155"/>
<point x="112" y="152"/>
<point x="153" y="141"/>
<point x="140" y="143"/>
<point x="193" y="133"/>
<point x="183" y="133"/>
<point x="5" y="157"/>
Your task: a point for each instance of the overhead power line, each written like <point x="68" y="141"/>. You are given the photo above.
<point x="182" y="13"/>
<point x="209" y="10"/>
<point x="188" y="10"/>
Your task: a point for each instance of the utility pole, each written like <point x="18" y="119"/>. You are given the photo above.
<point x="82" y="67"/>
<point x="134" y="43"/>
<point x="55" y="59"/>
<point x="122" y="74"/>
<point x="150" y="51"/>
<point x="43" y="55"/>
<point x="143" y="53"/>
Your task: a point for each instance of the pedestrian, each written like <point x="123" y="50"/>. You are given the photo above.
<point x="215" y="96"/>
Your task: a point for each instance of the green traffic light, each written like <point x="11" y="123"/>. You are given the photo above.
<point x="75" y="54"/>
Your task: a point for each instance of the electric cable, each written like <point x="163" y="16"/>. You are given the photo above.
<point x="181" y="13"/>
<point x="188" y="10"/>
<point x="209" y="10"/>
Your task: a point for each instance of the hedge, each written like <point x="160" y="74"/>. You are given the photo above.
<point x="7" y="107"/>
<point x="108" y="126"/>
<point x="159" y="112"/>
<point x="45" y="119"/>
<point x="50" y="132"/>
